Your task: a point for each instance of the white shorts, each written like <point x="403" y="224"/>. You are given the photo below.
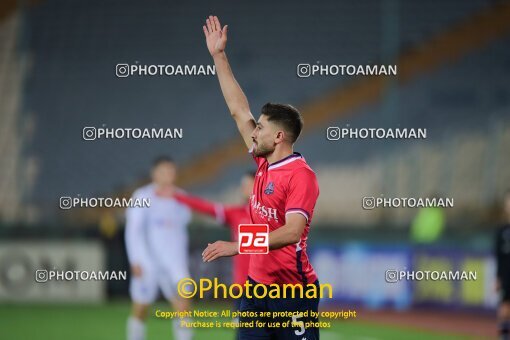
<point x="145" y="289"/>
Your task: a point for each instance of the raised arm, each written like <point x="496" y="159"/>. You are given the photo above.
<point x="216" y="38"/>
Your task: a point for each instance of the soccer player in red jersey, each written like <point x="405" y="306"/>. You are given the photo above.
<point x="283" y="197"/>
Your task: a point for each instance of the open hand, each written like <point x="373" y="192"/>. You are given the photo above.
<point x="219" y="249"/>
<point x="215" y="36"/>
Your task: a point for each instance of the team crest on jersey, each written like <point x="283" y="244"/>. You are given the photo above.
<point x="269" y="189"/>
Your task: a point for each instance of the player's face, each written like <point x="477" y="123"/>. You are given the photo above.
<point x="247" y="186"/>
<point x="164" y="174"/>
<point x="264" y="137"/>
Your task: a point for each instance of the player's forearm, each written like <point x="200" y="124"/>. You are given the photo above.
<point x="283" y="237"/>
<point x="234" y="96"/>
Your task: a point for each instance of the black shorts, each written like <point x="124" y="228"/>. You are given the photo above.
<point x="301" y="325"/>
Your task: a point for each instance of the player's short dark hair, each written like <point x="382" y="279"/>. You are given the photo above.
<point x="287" y="116"/>
<point x="162" y="159"/>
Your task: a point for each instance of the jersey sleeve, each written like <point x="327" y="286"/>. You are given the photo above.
<point x="302" y="194"/>
<point x="186" y="212"/>
<point x="135" y="234"/>
<point x="203" y="206"/>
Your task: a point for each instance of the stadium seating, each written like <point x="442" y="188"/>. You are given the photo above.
<point x="12" y="137"/>
<point x="76" y="46"/>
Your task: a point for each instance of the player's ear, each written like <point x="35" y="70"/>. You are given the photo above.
<point x="280" y="136"/>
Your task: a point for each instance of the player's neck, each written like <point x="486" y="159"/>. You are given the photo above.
<point x="280" y="153"/>
<point x="162" y="186"/>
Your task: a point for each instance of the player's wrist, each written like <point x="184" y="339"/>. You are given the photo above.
<point x="219" y="55"/>
<point x="235" y="248"/>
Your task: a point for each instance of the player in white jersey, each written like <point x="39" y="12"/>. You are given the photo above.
<point x="157" y="248"/>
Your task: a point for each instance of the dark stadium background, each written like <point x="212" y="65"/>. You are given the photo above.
<point x="57" y="76"/>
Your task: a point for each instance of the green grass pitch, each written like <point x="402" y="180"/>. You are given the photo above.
<point x="98" y="322"/>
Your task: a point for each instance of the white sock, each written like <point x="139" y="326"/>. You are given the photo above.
<point x="135" y="329"/>
<point x="181" y="333"/>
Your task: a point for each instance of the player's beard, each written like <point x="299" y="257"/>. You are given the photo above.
<point x="262" y="151"/>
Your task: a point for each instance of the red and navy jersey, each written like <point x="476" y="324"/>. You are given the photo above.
<point x="230" y="215"/>
<point x="288" y="186"/>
